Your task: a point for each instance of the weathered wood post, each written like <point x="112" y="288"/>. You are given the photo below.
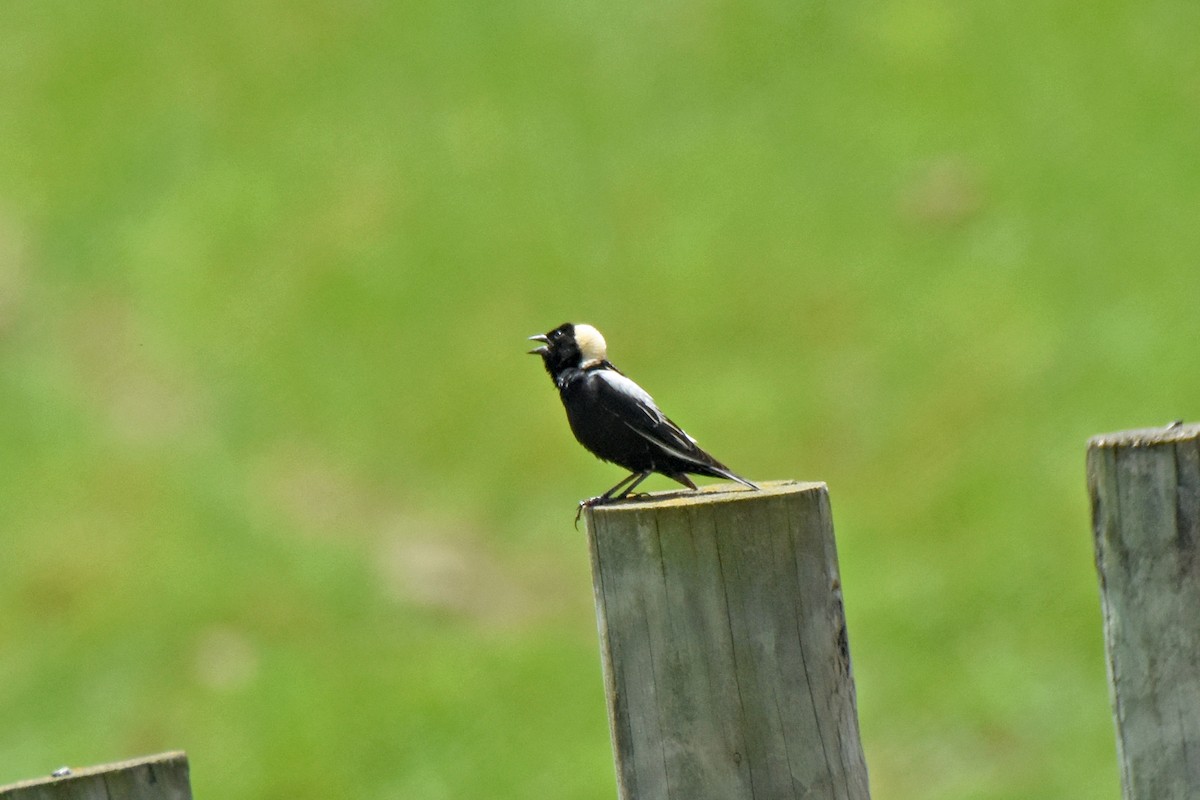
<point x="1145" y="490"/>
<point x="160" y="777"/>
<point x="723" y="642"/>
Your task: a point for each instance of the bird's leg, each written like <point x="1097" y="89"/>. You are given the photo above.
<point x="611" y="494"/>
<point x="633" y="485"/>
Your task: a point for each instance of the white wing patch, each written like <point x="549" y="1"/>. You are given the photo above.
<point x="620" y="383"/>
<point x="646" y="404"/>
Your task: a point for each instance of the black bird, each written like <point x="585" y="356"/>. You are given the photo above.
<point x="616" y="419"/>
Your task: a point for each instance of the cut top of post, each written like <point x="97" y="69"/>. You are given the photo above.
<point x="1147" y="437"/>
<point x="705" y="495"/>
<point x="158" y="777"/>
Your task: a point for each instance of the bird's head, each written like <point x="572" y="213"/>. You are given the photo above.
<point x="570" y="346"/>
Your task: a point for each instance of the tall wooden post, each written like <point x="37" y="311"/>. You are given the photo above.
<point x="1145" y="490"/>
<point x="723" y="642"/>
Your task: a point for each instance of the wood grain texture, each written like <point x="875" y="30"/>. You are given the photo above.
<point x="159" y="777"/>
<point x="1145" y="492"/>
<point x="724" y="647"/>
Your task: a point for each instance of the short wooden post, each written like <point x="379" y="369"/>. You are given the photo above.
<point x="160" y="777"/>
<point x="724" y="648"/>
<point x="1145" y="491"/>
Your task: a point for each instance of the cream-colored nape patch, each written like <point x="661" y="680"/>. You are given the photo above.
<point x="592" y="347"/>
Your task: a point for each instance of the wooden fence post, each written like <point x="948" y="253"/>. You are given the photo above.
<point x="1145" y="491"/>
<point x="160" y="777"/>
<point x="724" y="648"/>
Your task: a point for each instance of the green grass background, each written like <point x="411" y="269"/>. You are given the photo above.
<point x="280" y="487"/>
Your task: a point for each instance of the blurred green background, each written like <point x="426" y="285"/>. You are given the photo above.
<point x="280" y="486"/>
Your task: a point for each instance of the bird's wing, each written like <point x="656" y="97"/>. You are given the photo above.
<point x="631" y="404"/>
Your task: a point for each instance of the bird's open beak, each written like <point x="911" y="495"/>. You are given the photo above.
<point x="541" y="337"/>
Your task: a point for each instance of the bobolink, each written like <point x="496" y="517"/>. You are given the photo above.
<point x="615" y="419"/>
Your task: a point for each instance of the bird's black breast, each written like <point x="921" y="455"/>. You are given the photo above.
<point x="608" y="434"/>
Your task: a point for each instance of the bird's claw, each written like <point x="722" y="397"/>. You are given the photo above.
<point x="592" y="502"/>
<point x="589" y="503"/>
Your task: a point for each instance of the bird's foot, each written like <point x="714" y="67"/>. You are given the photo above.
<point x="601" y="500"/>
<point x="589" y="503"/>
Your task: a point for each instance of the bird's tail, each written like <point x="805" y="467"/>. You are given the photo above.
<point x="722" y="471"/>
